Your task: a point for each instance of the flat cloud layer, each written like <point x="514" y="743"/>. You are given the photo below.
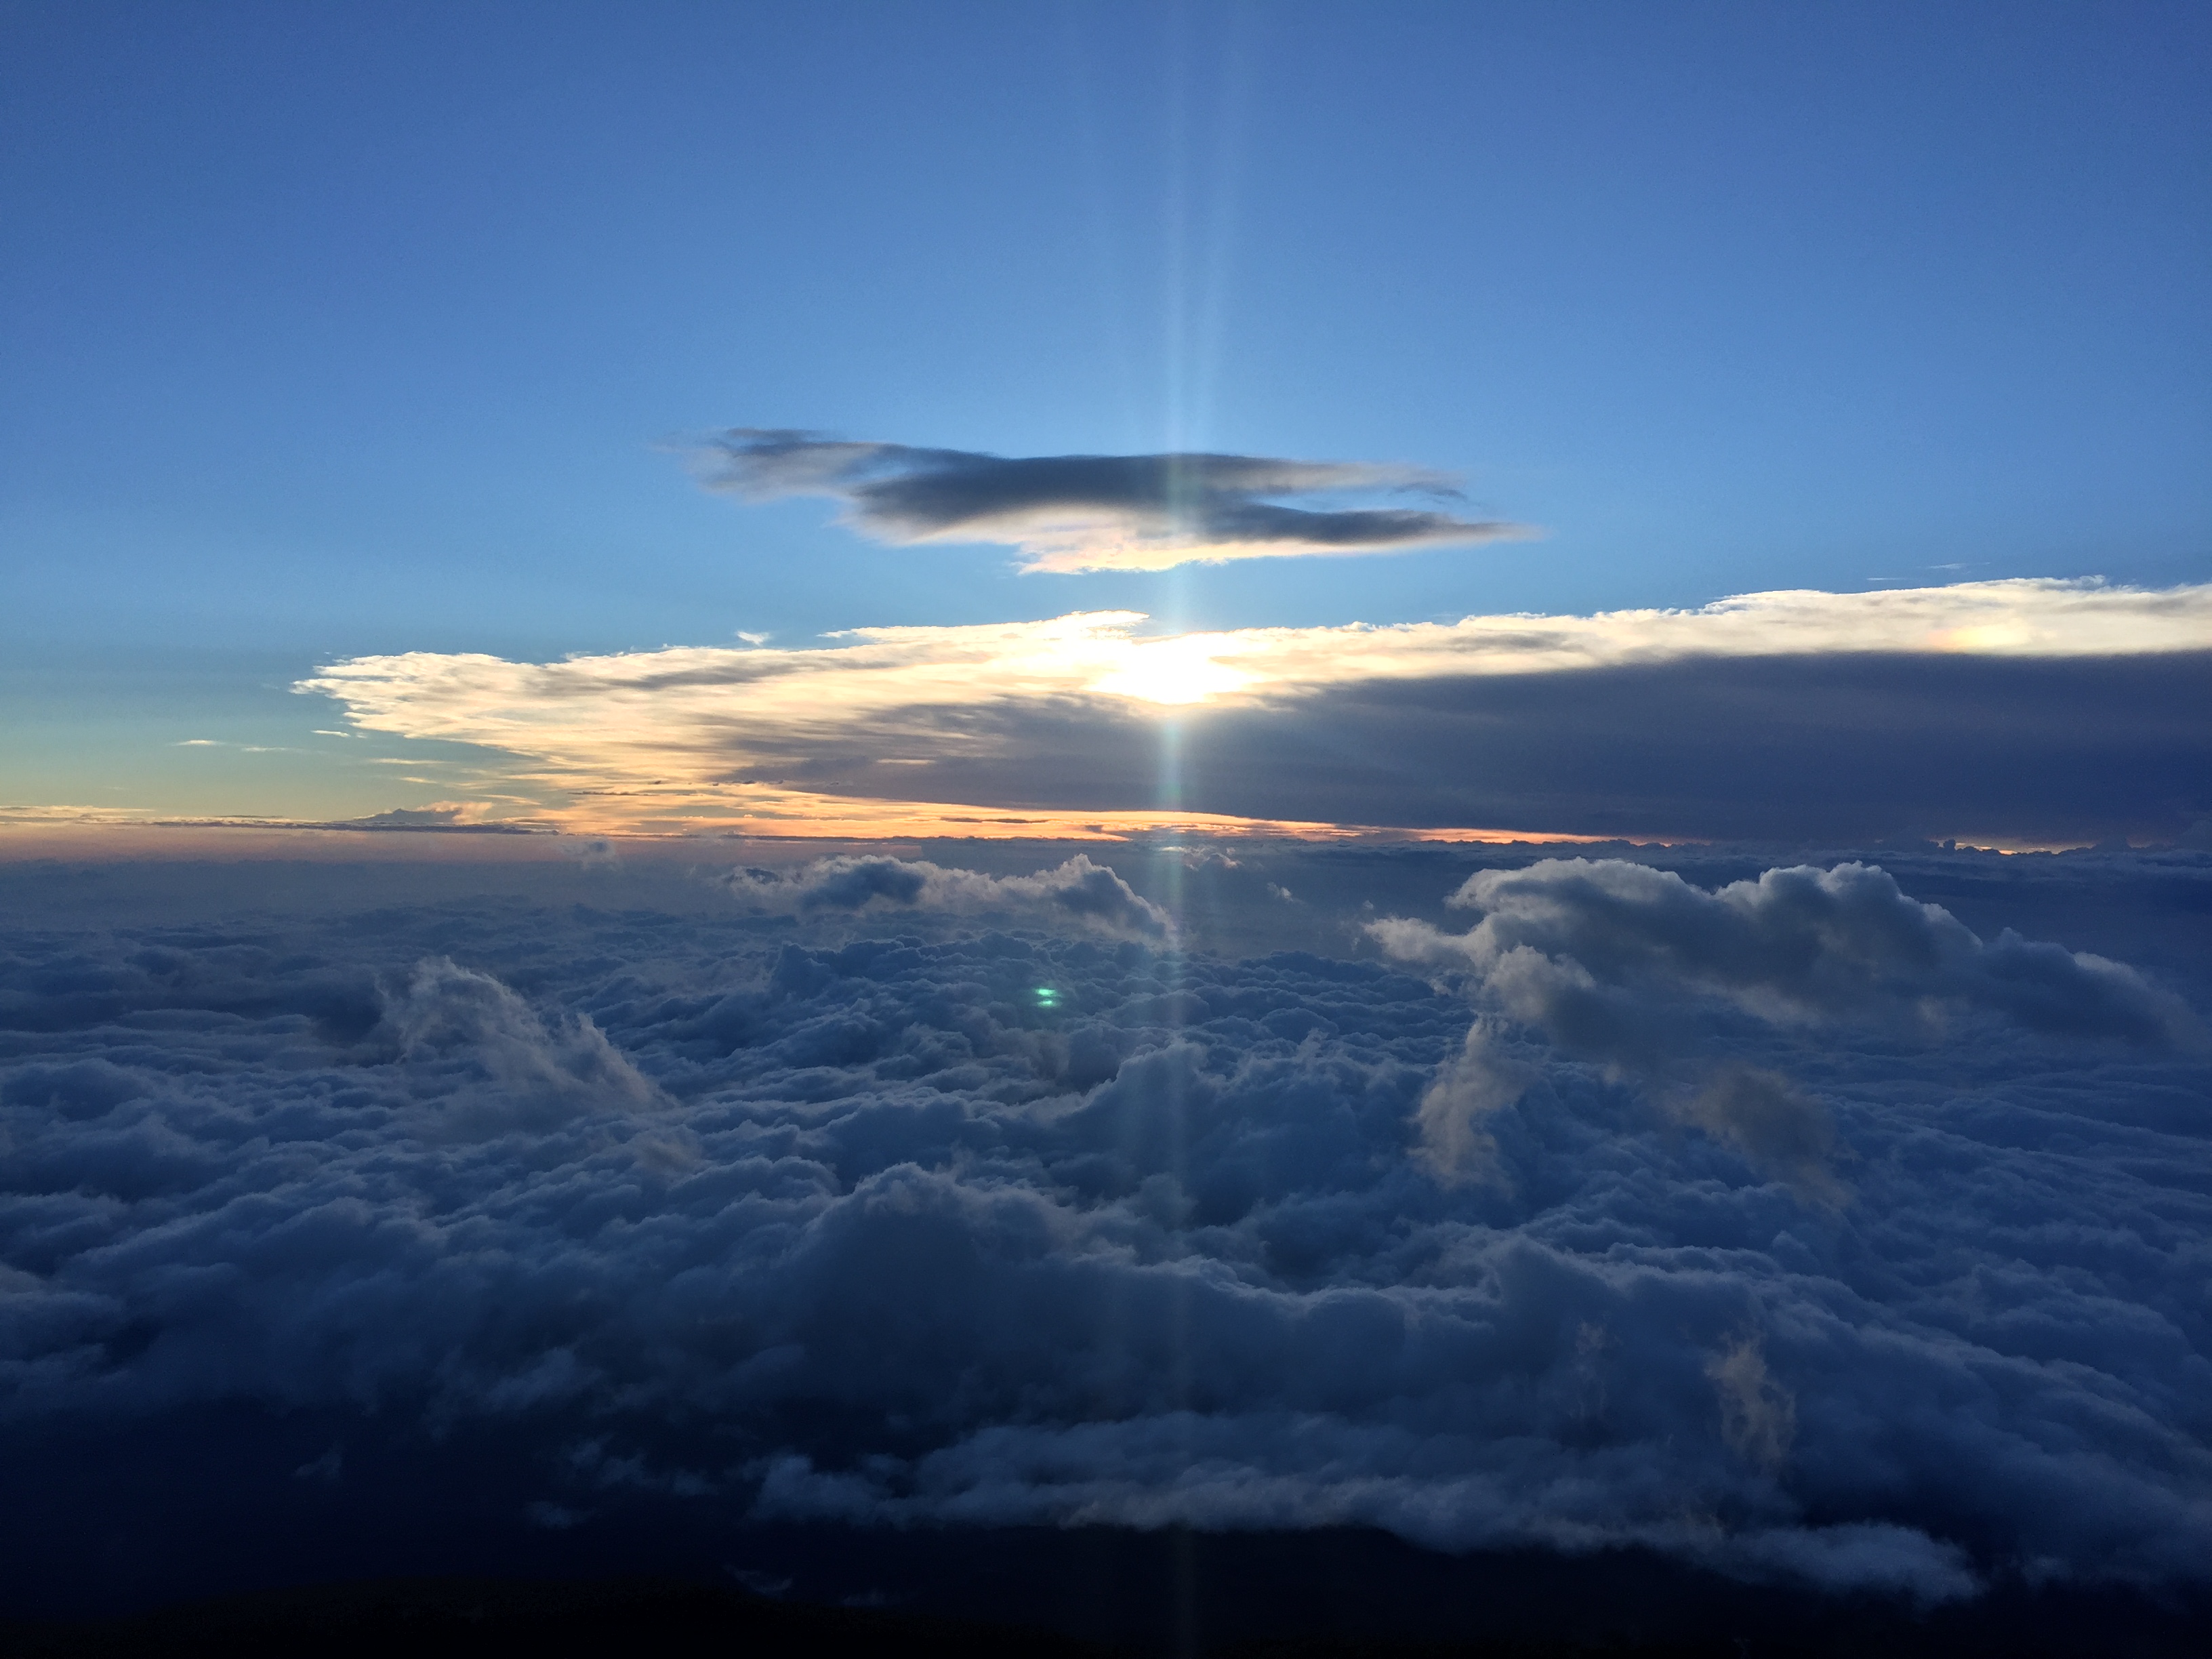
<point x="1816" y="1235"/>
<point x="1073" y="512"/>
<point x="2012" y="712"/>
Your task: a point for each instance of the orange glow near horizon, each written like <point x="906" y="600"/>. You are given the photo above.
<point x="89" y="833"/>
<point x="979" y="731"/>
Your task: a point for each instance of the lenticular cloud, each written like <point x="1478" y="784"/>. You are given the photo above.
<point x="1074" y="513"/>
<point x="1814" y="1236"/>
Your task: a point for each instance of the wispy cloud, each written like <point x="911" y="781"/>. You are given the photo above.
<point x="2001" y="709"/>
<point x="1075" y="512"/>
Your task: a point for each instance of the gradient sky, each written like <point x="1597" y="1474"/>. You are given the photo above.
<point x="347" y="331"/>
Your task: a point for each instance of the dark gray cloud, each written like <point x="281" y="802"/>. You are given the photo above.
<point x="1835" y="750"/>
<point x="714" y="1196"/>
<point x="1097" y="512"/>
<point x="443" y="819"/>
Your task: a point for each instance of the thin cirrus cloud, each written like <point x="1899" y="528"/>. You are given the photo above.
<point x="2022" y="712"/>
<point x="1075" y="512"/>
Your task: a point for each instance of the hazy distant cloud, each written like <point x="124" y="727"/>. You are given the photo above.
<point x="2011" y="712"/>
<point x="450" y="815"/>
<point x="1076" y="891"/>
<point x="1072" y="512"/>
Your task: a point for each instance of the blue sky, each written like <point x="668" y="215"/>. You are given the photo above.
<point x="335" y="331"/>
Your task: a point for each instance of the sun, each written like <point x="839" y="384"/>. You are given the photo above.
<point x="1174" y="672"/>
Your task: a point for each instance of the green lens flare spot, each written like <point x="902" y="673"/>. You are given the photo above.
<point x="1047" y="995"/>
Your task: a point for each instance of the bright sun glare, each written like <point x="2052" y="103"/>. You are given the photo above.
<point x="1180" y="670"/>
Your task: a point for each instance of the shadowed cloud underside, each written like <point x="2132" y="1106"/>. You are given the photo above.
<point x="2009" y="713"/>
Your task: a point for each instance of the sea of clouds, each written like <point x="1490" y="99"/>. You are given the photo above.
<point x="1768" y="1216"/>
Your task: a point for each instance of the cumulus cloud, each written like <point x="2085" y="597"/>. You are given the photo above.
<point x="1759" y="1417"/>
<point x="1609" y="959"/>
<point x="2022" y="712"/>
<point x="1780" y="1130"/>
<point x="1074" y="513"/>
<point x="1599" y="951"/>
<point x="1076" y="890"/>
<point x="1478" y="1081"/>
<point x="701" y="1201"/>
<point x="491" y="1061"/>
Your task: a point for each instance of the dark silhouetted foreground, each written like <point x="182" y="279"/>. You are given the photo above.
<point x="428" y="1618"/>
<point x="1102" y="1593"/>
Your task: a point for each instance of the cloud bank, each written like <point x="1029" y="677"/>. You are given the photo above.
<point x="2026" y="712"/>
<point x="1075" y="512"/>
<point x="1611" y="961"/>
<point x="741" y="1203"/>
